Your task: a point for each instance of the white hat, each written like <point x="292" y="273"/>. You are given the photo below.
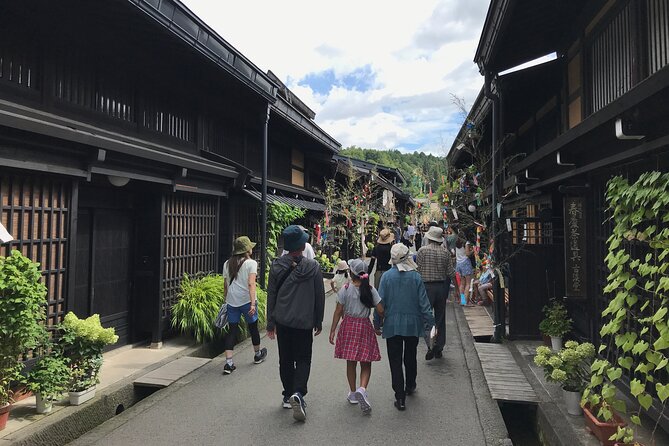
<point x="357" y="266"/>
<point x="400" y="257"/>
<point x="436" y="234"/>
<point x="342" y="265"/>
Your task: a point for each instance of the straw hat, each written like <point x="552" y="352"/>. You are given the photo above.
<point x="400" y="257"/>
<point x="436" y="234"/>
<point x="385" y="237"/>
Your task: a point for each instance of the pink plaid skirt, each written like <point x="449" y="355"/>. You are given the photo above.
<point x="356" y="340"/>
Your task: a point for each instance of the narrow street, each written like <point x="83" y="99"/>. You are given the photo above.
<point x="245" y="407"/>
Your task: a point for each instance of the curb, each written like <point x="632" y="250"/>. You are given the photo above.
<point x="490" y="417"/>
<point x="71" y="422"/>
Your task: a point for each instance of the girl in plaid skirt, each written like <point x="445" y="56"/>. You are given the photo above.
<point x="356" y="340"/>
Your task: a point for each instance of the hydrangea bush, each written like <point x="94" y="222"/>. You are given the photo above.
<point x="568" y="367"/>
<point x="83" y="341"/>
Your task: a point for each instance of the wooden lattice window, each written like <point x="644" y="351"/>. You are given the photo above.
<point x="189" y="242"/>
<point x="247" y="222"/>
<point x="18" y="61"/>
<point x="35" y="212"/>
<point x="658" y="36"/>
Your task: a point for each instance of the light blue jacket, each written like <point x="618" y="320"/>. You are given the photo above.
<point x="406" y="307"/>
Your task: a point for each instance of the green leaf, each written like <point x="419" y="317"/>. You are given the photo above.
<point x="640" y="347"/>
<point x="601" y="348"/>
<point x="625" y="362"/>
<point x="636" y="420"/>
<point x="637" y="387"/>
<point x="662" y="391"/>
<point x="614" y="374"/>
<point x="645" y="400"/>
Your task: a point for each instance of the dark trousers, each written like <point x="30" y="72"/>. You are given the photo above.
<point x="437" y="292"/>
<point x="402" y="349"/>
<point x="294" y="358"/>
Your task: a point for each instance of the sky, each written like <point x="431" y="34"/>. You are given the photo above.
<point x="378" y="74"/>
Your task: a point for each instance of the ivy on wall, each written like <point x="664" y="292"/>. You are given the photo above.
<point x="279" y="216"/>
<point x="635" y="335"/>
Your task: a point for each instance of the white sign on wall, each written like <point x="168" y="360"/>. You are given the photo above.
<point x="4" y="235"/>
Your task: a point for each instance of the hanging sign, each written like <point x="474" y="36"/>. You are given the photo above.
<point x="575" y="247"/>
<point x="5" y="236"/>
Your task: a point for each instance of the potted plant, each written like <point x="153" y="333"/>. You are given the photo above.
<point x="82" y="342"/>
<point x="48" y="378"/>
<point x="568" y="368"/>
<point x="22" y="310"/>
<point x="556" y="323"/>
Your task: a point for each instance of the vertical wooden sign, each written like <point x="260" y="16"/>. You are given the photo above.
<point x="575" y="248"/>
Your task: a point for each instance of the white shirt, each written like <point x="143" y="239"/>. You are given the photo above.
<point x="460" y="255"/>
<point x="307" y="253"/>
<point x="238" y="291"/>
<point x="349" y="297"/>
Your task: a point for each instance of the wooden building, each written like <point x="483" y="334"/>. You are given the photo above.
<point x="129" y="131"/>
<point x="600" y="108"/>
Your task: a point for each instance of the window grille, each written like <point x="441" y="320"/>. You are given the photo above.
<point x="163" y="120"/>
<point x="611" y="60"/>
<point x="18" y="63"/>
<point x="35" y="212"/>
<point x="189" y="242"/>
<point x="658" y="34"/>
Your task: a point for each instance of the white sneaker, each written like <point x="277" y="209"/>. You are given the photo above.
<point x="351" y="398"/>
<point x="363" y="400"/>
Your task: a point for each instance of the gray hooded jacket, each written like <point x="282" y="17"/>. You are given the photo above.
<point x="300" y="302"/>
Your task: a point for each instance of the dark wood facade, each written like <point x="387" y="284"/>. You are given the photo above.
<point x="557" y="128"/>
<point x="129" y="131"/>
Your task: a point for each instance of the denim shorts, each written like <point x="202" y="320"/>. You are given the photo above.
<point x="235" y="314"/>
<point x="464" y="268"/>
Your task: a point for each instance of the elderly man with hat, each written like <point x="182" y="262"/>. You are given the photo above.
<point x="295" y="307"/>
<point x="436" y="268"/>
<point x="380" y="255"/>
<point x="406" y="314"/>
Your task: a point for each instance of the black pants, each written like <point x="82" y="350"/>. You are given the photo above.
<point x="437" y="292"/>
<point x="294" y="358"/>
<point x="402" y="349"/>
<point x="231" y="337"/>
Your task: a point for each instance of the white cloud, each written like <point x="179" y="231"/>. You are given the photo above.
<point x="418" y="52"/>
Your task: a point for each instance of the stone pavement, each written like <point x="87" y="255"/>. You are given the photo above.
<point x="207" y="408"/>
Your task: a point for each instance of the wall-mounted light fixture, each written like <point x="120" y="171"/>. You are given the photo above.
<point x="118" y="181"/>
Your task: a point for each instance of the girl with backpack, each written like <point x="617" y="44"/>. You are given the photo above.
<point x="356" y="340"/>
<point x="240" y="272"/>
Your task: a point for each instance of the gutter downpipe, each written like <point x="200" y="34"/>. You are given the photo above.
<point x="263" y="204"/>
<point x="500" y="319"/>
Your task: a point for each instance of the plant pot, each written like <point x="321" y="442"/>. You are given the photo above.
<point x="556" y="343"/>
<point x="42" y="405"/>
<point x="602" y="430"/>
<point x="573" y="402"/>
<point x="4" y="415"/>
<point x="77" y="398"/>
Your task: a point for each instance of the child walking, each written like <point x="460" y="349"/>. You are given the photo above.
<point x="356" y="340"/>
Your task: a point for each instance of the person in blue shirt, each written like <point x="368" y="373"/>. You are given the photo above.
<point x="407" y="314"/>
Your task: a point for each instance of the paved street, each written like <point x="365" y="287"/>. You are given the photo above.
<point x="245" y="407"/>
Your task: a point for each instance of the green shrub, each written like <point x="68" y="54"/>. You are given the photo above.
<point x="82" y="342"/>
<point x="49" y="376"/>
<point x="556" y="322"/>
<point x="198" y="305"/>
<point x="22" y="312"/>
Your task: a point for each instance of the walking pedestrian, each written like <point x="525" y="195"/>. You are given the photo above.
<point x="239" y="272"/>
<point x="356" y="339"/>
<point x="406" y="313"/>
<point x="380" y="255"/>
<point x="295" y="307"/>
<point x="308" y="249"/>
<point x="340" y="276"/>
<point x="463" y="266"/>
<point x="436" y="269"/>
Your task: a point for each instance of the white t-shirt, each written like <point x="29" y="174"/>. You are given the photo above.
<point x="339" y="280"/>
<point x="349" y="297"/>
<point x="238" y="290"/>
<point x="460" y="255"/>
<point x="308" y="252"/>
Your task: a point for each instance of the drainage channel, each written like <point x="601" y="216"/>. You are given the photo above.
<point x="521" y="423"/>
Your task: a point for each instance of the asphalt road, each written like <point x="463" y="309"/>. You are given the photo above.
<point x="244" y="408"/>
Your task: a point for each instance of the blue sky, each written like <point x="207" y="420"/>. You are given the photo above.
<point x="378" y="74"/>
